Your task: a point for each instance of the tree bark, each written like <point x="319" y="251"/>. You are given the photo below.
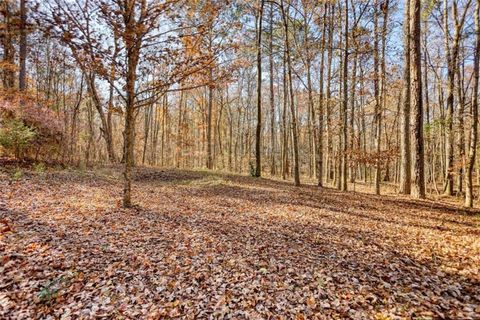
<point x="321" y="102"/>
<point x="345" y="106"/>
<point x="284" y="120"/>
<point x="296" y="165"/>
<point x="417" y="103"/>
<point x="273" y="169"/>
<point x="209" y="122"/>
<point x="329" y="175"/>
<point x="473" y="130"/>
<point x="133" y="44"/>
<point x="22" y="76"/>
<point x="378" y="112"/>
<point x="8" y="48"/>
<point x="258" y="135"/>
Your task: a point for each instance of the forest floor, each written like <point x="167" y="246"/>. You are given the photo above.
<point x="211" y="246"/>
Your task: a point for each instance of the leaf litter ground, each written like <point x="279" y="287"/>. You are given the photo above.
<point x="216" y="246"/>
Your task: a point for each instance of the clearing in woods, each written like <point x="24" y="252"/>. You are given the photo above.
<point x="209" y="245"/>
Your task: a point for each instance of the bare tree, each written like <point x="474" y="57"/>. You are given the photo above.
<point x="452" y="53"/>
<point x="273" y="169"/>
<point x="376" y="86"/>
<point x="343" y="170"/>
<point x="258" y="136"/>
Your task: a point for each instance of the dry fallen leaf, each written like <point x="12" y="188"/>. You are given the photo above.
<point x="236" y="248"/>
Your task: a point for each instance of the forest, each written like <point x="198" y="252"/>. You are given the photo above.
<point x="239" y="159"/>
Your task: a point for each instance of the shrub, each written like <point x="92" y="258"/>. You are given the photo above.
<point x="33" y="120"/>
<point x="39" y="168"/>
<point x="17" y="174"/>
<point x="15" y="136"/>
<point x="50" y="290"/>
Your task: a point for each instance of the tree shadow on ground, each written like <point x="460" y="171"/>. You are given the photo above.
<point x="332" y="201"/>
<point x="149" y="175"/>
<point x="363" y="200"/>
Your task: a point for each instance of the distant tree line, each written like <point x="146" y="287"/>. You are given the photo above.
<point x="376" y="92"/>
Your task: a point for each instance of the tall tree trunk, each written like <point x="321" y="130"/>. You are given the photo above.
<point x="258" y="136"/>
<point x="452" y="64"/>
<point x="8" y="48"/>
<point x="329" y="94"/>
<point x="209" y="122"/>
<point x="417" y="103"/>
<point x="383" y="78"/>
<point x="450" y="84"/>
<point x="179" y="142"/>
<point x="273" y="169"/>
<point x="312" y="128"/>
<point x="296" y="164"/>
<point x="352" y="112"/>
<point x="428" y="141"/>
<point x="461" y="128"/>
<point x="473" y="130"/>
<point x="321" y="101"/>
<point x="22" y="76"/>
<point x="284" y="120"/>
<point x="377" y="112"/>
<point x="146" y="130"/>
<point x="133" y="44"/>
<point x="345" y="106"/>
<point x="129" y="133"/>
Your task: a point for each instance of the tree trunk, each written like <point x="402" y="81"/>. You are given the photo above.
<point x="258" y="136"/>
<point x="22" y="76"/>
<point x="273" y="169"/>
<point x="417" y="103"/>
<point x="178" y="141"/>
<point x="383" y="77"/>
<point x="284" y="120"/>
<point x="473" y="130"/>
<point x="345" y="106"/>
<point x="209" y="122"/>
<point x="133" y="45"/>
<point x="321" y="102"/>
<point x="105" y="130"/>
<point x="378" y="112"/>
<point x="296" y="165"/>
<point x="461" y="128"/>
<point x="8" y="48"/>
<point x="329" y="175"/>
<point x="352" y="115"/>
